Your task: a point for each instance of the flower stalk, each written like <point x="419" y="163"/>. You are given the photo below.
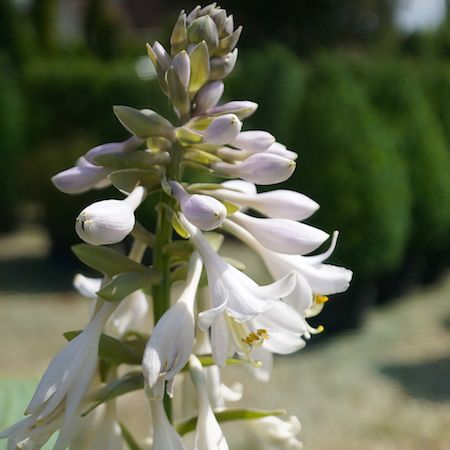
<point x="135" y="325"/>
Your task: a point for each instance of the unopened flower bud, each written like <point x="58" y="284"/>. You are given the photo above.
<point x="182" y="66"/>
<point x="223" y="129"/>
<point x="260" y="168"/>
<point x="203" y="211"/>
<point x="253" y="141"/>
<point x="208" y="96"/>
<point x="242" y="109"/>
<point x="109" y="221"/>
<point x="204" y="29"/>
<point x="222" y="66"/>
<point x="279" y="149"/>
<point x="113" y="147"/>
<point x="81" y="178"/>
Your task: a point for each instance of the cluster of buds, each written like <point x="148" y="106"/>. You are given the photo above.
<point x="235" y="320"/>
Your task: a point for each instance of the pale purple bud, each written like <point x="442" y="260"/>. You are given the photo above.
<point x="109" y="221"/>
<point x="208" y="96"/>
<point x="203" y="211"/>
<point x="253" y="141"/>
<point x="113" y="147"/>
<point x="282" y="235"/>
<point x="222" y="66"/>
<point x="260" y="168"/>
<point x="279" y="149"/>
<point x="193" y="14"/>
<point x="163" y="58"/>
<point x="182" y="66"/>
<point x="228" y="26"/>
<point x="241" y="186"/>
<point x="81" y="178"/>
<point x="241" y="108"/>
<point x="223" y="129"/>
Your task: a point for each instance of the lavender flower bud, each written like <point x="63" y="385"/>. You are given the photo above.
<point x="222" y="66"/>
<point x="182" y="66"/>
<point x="242" y="109"/>
<point x="204" y="29"/>
<point x="81" y="178"/>
<point x="223" y="129"/>
<point x="260" y="168"/>
<point x="253" y="141"/>
<point x="203" y="211"/>
<point x="208" y="96"/>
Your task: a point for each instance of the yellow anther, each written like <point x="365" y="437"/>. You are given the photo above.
<point x="256" y="337"/>
<point x="320" y="299"/>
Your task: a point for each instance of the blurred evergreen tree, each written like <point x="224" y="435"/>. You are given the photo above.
<point x="44" y="16"/>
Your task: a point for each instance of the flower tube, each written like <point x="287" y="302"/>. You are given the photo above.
<point x="172" y="339"/>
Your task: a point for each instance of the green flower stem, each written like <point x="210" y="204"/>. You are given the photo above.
<point x="161" y="260"/>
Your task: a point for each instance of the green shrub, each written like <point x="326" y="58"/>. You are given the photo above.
<point x="11" y="144"/>
<point x="397" y="94"/>
<point x="349" y="164"/>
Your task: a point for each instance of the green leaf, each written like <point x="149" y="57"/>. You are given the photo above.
<point x="129" y="439"/>
<point x="199" y="67"/>
<point x="204" y="187"/>
<point x="129" y="382"/>
<point x="125" y="283"/>
<point x="144" y="123"/>
<point x="106" y="260"/>
<point x="229" y="415"/>
<point x="136" y="160"/>
<point x="126" y="180"/>
<point x="113" y="351"/>
<point x="197" y="166"/>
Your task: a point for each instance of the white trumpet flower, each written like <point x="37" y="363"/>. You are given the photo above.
<point x="282" y="235"/>
<point x="132" y="314"/>
<point x="203" y="211"/>
<point x="81" y="178"/>
<point x="60" y="392"/>
<point x="109" y="221"/>
<point x="232" y="293"/>
<point x="223" y="129"/>
<point x="260" y="168"/>
<point x="278" y="433"/>
<point x="172" y="339"/>
<point x="208" y="434"/>
<point x="164" y="435"/>
<point x="313" y="277"/>
<point x="280" y="203"/>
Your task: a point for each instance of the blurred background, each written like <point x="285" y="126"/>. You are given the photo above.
<point x="359" y="88"/>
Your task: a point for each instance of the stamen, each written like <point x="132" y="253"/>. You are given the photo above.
<point x="320" y="299"/>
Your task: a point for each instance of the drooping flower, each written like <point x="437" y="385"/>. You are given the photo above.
<point x="172" y="339"/>
<point x="232" y="292"/>
<point x="164" y="435"/>
<point x="208" y="434"/>
<point x="62" y="389"/>
<point x="313" y="276"/>
<point x="276" y="433"/>
<point x="109" y="221"/>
